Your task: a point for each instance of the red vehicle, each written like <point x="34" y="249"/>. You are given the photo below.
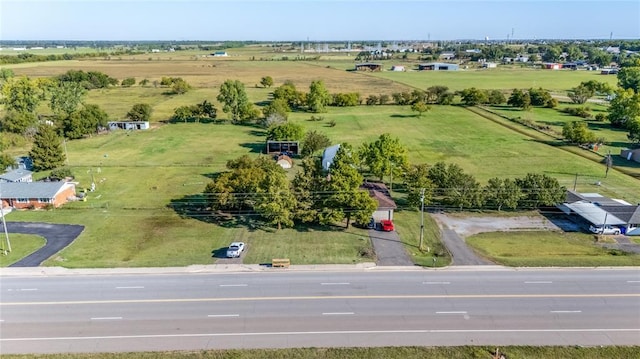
<point x="387" y="225"/>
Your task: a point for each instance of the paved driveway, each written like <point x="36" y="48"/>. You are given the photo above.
<point x="389" y="249"/>
<point x="57" y="237"/>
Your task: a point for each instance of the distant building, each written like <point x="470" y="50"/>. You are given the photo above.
<point x="489" y="65"/>
<point x="551" y="66"/>
<point x="631" y="155"/>
<point x="289" y="148"/>
<point x="25" y="195"/>
<point x="19" y="175"/>
<point x="368" y="66"/>
<point x="284" y="161"/>
<point x="128" y="125"/>
<point x="220" y="54"/>
<point x="397" y="68"/>
<point x="438" y="66"/>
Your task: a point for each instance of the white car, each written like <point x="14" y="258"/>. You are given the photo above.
<point x="235" y="249"/>
<point x="606" y="229"/>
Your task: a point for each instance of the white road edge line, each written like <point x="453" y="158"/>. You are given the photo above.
<point x="106" y="318"/>
<point x="460" y="312"/>
<point x="338" y="313"/>
<point x="361" y="332"/>
<point x="233" y="285"/>
<point x="338" y="283"/>
<point x="538" y="282"/>
<point x="436" y="282"/>
<point x="222" y="315"/>
<point x="132" y="287"/>
<point x="633" y="281"/>
<point x="566" y="311"/>
<point x="27" y="289"/>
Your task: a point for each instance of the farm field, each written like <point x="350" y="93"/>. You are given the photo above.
<point x="142" y="175"/>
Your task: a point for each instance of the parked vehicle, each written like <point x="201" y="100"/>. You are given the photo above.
<point x="387" y="225"/>
<point x="372" y="223"/>
<point x="235" y="249"/>
<point x="605" y="229"/>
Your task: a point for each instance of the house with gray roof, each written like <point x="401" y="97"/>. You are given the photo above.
<point x="18" y="175"/>
<point x="28" y="195"/>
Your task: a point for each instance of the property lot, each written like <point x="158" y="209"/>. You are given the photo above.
<point x="470" y="225"/>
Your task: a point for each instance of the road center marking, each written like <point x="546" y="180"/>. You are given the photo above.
<point x="336" y="297"/>
<point x="132" y="287"/>
<point x="27" y="289"/>
<point x="538" y="282"/>
<point x="338" y="313"/>
<point x="106" y="318"/>
<point x="457" y="312"/>
<point x="337" y="283"/>
<point x="436" y="282"/>
<point x="222" y="315"/>
<point x="233" y="285"/>
<point x="633" y="281"/>
<point x="566" y="311"/>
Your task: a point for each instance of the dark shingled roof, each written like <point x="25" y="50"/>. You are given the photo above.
<point x="380" y="193"/>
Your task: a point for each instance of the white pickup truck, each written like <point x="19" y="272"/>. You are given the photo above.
<point x="605" y="229"/>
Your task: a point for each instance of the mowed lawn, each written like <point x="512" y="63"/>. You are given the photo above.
<point x="542" y="249"/>
<point x="21" y="246"/>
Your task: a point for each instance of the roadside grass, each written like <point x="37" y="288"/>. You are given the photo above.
<point x="548" y="249"/>
<point x="434" y="254"/>
<point x="21" y="246"/>
<point x="461" y="352"/>
<point x="308" y="245"/>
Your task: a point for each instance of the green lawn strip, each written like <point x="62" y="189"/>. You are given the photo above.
<point x="544" y="249"/>
<point x="319" y="245"/>
<point x="461" y="352"/>
<point x="21" y="246"/>
<point x="407" y="225"/>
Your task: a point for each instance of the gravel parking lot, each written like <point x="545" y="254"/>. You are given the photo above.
<point x="467" y="226"/>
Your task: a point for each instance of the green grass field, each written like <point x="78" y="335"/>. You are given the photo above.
<point x="546" y="249"/>
<point x="140" y="174"/>
<point x="21" y="246"/>
<point x="462" y="352"/>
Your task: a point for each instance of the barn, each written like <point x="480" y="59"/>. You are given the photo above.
<point x="289" y="148"/>
<point x="369" y="66"/>
<point x="438" y="66"/>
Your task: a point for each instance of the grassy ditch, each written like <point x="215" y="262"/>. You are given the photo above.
<point x="548" y="249"/>
<point x="464" y="352"/>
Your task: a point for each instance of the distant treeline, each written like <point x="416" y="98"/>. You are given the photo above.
<point x="28" y="57"/>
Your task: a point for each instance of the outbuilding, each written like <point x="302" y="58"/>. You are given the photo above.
<point x="284" y="161"/>
<point x="128" y="125"/>
<point x="397" y="68"/>
<point x="438" y="66"/>
<point x="327" y="156"/>
<point x="369" y="66"/>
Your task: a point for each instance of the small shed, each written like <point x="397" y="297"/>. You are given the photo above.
<point x="386" y="205"/>
<point x="369" y="66"/>
<point x="289" y="148"/>
<point x="220" y="54"/>
<point x="552" y="66"/>
<point x="128" y="125"/>
<point x="438" y="66"/>
<point x="489" y="65"/>
<point x="284" y="161"/>
<point x="398" y="68"/>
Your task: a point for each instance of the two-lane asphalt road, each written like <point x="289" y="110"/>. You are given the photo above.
<point x="301" y="309"/>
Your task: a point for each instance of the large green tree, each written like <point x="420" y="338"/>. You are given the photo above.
<point x="314" y="141"/>
<point x="286" y="131"/>
<point x="140" y="112"/>
<point x="577" y="132"/>
<point x="235" y="100"/>
<point x="266" y="81"/>
<point x="624" y="108"/>
<point x="84" y="122"/>
<point x="21" y="95"/>
<point x="629" y="75"/>
<point x="318" y="97"/>
<point x="519" y="98"/>
<point x="278" y="107"/>
<point x="580" y="94"/>
<point x="416" y="178"/>
<point x="344" y="197"/>
<point x="47" y="152"/>
<point x="384" y="156"/>
<point x="634" y="131"/>
<point x="66" y="97"/>
<point x="473" y="96"/>
<point x="308" y="186"/>
<point x="18" y="122"/>
<point x="275" y="201"/>
<point x="503" y="193"/>
<point x="540" y="190"/>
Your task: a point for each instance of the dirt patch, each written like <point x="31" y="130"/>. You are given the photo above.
<point x="468" y="226"/>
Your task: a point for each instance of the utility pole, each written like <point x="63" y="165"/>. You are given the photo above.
<point x="4" y="224"/>
<point x="421" y="218"/>
<point x="575" y="182"/>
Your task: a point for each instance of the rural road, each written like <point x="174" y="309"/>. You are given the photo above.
<point x="282" y="308"/>
<point x="57" y="237"/>
<point x="461" y="254"/>
<point x="389" y="249"/>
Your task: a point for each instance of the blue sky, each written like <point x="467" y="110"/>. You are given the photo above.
<point x="316" y="20"/>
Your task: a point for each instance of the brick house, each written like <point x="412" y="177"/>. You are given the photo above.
<point x="27" y="195"/>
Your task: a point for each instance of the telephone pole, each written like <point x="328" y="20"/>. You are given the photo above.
<point x="421" y="218"/>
